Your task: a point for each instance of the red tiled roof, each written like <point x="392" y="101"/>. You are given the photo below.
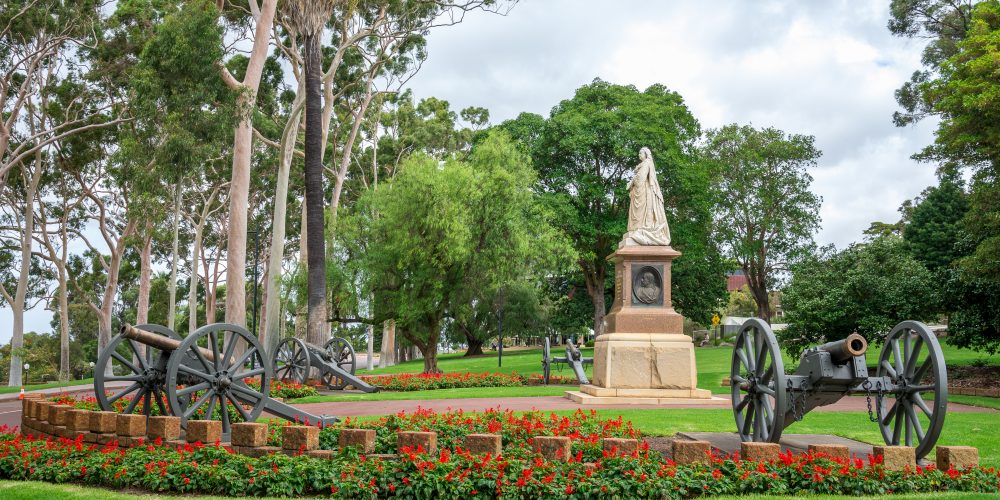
<point x="735" y="282"/>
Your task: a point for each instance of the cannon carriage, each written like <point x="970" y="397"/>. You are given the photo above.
<point x="335" y="362"/>
<point x="907" y="397"/>
<point x="218" y="369"/>
<point x="573" y="357"/>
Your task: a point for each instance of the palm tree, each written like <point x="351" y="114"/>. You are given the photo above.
<point x="310" y="17"/>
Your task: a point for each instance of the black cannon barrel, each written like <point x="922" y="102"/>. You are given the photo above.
<point x="160" y="342"/>
<point x="843" y="350"/>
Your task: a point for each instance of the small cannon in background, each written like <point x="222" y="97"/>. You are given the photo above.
<point x="335" y="362"/>
<point x="911" y="367"/>
<point x="573" y="357"/>
<point x="207" y="370"/>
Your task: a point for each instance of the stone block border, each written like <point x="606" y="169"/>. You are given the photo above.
<point x="99" y="427"/>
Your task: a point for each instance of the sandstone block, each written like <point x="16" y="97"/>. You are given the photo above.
<point x="484" y="443"/>
<point x="260" y="451"/>
<point x="552" y="447"/>
<point x="78" y="420"/>
<point x="104" y="422"/>
<point x="957" y="457"/>
<point x="300" y="437"/>
<point x="837" y="451"/>
<point x="689" y="452"/>
<point x="131" y="425"/>
<point x="249" y="434"/>
<point x="759" y="452"/>
<point x="896" y="457"/>
<point x="363" y="439"/>
<point x="42" y="411"/>
<point x="621" y="446"/>
<point x="57" y="414"/>
<point x="164" y="427"/>
<point x="426" y="440"/>
<point x="204" y="431"/>
<point x="320" y="454"/>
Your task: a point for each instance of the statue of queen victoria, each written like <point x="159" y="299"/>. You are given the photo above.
<point x="647" y="221"/>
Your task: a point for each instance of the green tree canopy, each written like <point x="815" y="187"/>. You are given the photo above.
<point x="765" y="213"/>
<point x="585" y="152"/>
<point x="444" y="231"/>
<point x="867" y="288"/>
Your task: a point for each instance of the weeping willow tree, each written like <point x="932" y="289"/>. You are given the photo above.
<point x="309" y="18"/>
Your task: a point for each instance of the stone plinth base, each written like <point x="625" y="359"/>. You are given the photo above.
<point x="633" y="364"/>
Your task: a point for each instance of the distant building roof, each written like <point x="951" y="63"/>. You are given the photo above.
<point x="735" y="281"/>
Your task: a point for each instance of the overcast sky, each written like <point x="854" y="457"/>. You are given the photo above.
<point x="826" y="69"/>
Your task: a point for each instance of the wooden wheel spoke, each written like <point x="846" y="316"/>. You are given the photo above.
<point x="123" y="378"/>
<point x="193" y="388"/>
<point x="743" y="403"/>
<point x="766" y="390"/>
<point x="911" y="361"/>
<point x="916" y="425"/>
<point x="138" y="355"/>
<point x="118" y="395"/>
<point x="159" y="402"/>
<point x="213" y="340"/>
<point x="738" y="379"/>
<point x="246" y="356"/>
<point x="922" y="388"/>
<point x="919" y="374"/>
<point x="191" y="371"/>
<point x="748" y="420"/>
<point x="748" y="355"/>
<point x="211" y="406"/>
<point x="201" y="358"/>
<point x="251" y="373"/>
<point x="897" y="357"/>
<point x="198" y="404"/>
<point x="919" y="400"/>
<point x="907" y="345"/>
<point x="224" y="410"/>
<point x="147" y="408"/>
<point x="135" y="401"/>
<point x="889" y="415"/>
<point x="247" y="392"/>
<point x="888" y="368"/>
<point x="121" y="359"/>
<point x="897" y="425"/>
<point x="239" y="408"/>
<point x="740" y="353"/>
<point x="230" y="349"/>
<point x="768" y="375"/>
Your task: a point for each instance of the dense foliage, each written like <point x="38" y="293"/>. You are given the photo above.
<point x="867" y="288"/>
<point x="456" y="473"/>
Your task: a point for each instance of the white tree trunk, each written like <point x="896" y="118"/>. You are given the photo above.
<point x="387" y="356"/>
<point x="193" y="285"/>
<point x="145" y="272"/>
<point x="21" y="293"/>
<point x="371" y="347"/>
<point x="175" y="256"/>
<point x="239" y="188"/>
<point x="272" y="288"/>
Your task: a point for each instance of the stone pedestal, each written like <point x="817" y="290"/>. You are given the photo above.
<point x="643" y="354"/>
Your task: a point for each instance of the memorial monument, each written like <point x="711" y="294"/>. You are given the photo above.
<point x="643" y="355"/>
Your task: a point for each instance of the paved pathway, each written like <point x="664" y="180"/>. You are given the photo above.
<point x="357" y="408"/>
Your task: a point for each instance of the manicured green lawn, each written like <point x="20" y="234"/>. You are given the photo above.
<point x="50" y="385"/>
<point x="34" y="490"/>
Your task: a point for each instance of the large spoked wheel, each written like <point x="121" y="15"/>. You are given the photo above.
<point x="758" y="383"/>
<point x="291" y="361"/>
<point x="212" y="367"/>
<point x="144" y="372"/>
<point x="341" y="354"/>
<point x="913" y="362"/>
<point x="546" y="361"/>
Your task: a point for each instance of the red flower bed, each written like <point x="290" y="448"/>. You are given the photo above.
<point x="429" y="381"/>
<point x="455" y="473"/>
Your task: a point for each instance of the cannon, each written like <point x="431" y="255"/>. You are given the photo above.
<point x="573" y="357"/>
<point x="294" y="359"/>
<point x="210" y="370"/>
<point x="909" y="389"/>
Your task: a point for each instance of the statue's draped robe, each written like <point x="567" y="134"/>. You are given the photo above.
<point x="647" y="222"/>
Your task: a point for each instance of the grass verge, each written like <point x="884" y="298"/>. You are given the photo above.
<point x="50" y="385"/>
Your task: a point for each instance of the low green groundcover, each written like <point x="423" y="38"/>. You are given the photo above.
<point x="454" y="473"/>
